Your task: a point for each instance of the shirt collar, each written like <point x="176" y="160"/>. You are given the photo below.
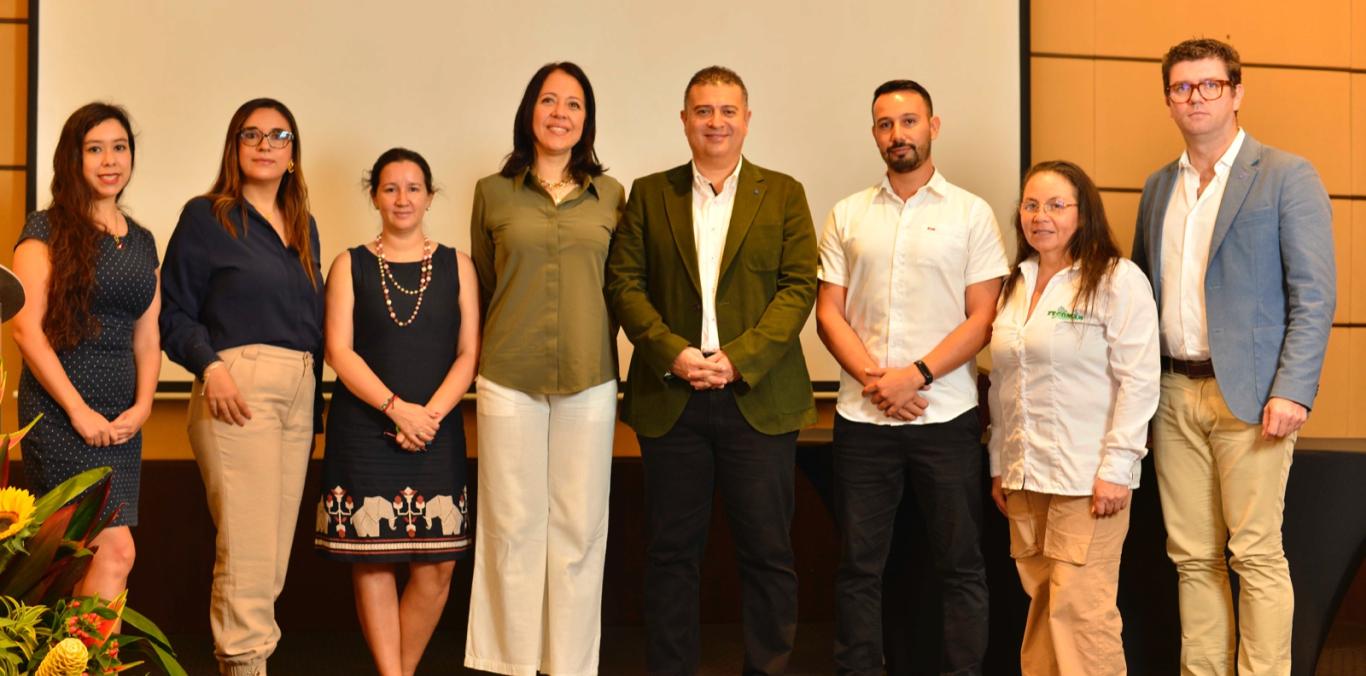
<point x="700" y="182"/>
<point x="937" y="185"/>
<point x="1224" y="165"/>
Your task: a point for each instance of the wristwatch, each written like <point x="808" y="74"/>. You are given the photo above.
<point x="924" y="371"/>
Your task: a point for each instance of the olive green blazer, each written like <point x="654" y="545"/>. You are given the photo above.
<point x="764" y="293"/>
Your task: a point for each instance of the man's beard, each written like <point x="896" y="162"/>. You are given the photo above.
<point x="908" y="163"/>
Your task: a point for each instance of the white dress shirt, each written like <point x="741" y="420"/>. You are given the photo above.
<point x="1072" y="389"/>
<point x="710" y="223"/>
<point x="906" y="266"/>
<point x="1186" y="233"/>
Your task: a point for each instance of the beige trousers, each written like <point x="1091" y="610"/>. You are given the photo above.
<point x="1222" y="485"/>
<point x="1069" y="565"/>
<point x="545" y="469"/>
<point x="254" y="477"/>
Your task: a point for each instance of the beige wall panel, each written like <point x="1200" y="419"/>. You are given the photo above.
<point x="1275" y="111"/>
<point x="1357" y="293"/>
<point x="1356" y="391"/>
<point x="1062" y="116"/>
<point x="1121" y="208"/>
<point x="1332" y="407"/>
<point x="1343" y="237"/>
<point x="1359" y="121"/>
<point x="1134" y="133"/>
<point x="13" y="92"/>
<point x="1062" y="26"/>
<point x="1316" y="33"/>
<point x="13" y="9"/>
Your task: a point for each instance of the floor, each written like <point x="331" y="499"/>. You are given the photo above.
<point x="624" y="653"/>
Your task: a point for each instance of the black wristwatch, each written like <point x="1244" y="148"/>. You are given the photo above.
<point x="924" y="371"/>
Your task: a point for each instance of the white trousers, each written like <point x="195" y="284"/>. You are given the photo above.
<point x="545" y="465"/>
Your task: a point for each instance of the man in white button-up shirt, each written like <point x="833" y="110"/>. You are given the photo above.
<point x="910" y="271"/>
<point x="1237" y="240"/>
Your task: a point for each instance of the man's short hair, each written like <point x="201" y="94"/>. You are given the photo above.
<point x="1202" y="48"/>
<point x="904" y="86"/>
<point x="715" y="75"/>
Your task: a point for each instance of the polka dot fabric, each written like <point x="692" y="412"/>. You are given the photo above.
<point x="102" y="370"/>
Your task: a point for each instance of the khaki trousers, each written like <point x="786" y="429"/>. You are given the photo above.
<point x="545" y="470"/>
<point x="254" y="477"/>
<point x="1069" y="565"/>
<point x="1222" y="485"/>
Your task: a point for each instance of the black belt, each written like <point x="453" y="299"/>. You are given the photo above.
<point x="1190" y="369"/>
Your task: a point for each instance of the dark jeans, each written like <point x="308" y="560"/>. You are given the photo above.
<point x="712" y="446"/>
<point x="943" y="463"/>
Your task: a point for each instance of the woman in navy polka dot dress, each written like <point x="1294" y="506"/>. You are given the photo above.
<point x="88" y="332"/>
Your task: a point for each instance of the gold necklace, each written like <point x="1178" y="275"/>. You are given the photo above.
<point x="552" y="187"/>
<point x="386" y="275"/>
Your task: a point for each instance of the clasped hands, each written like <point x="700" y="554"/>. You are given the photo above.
<point x="896" y="391"/>
<point x="704" y="372"/>
<point x="417" y="425"/>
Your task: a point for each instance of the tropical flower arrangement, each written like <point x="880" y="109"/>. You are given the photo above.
<point x="44" y="553"/>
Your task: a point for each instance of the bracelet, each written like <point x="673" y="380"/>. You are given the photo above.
<point x="205" y="374"/>
<point x="388" y="403"/>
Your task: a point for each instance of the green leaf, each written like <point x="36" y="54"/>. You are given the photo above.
<point x="87" y="513"/>
<point x="63" y="493"/>
<point x="165" y="660"/>
<point x="24" y="571"/>
<point x="140" y="622"/>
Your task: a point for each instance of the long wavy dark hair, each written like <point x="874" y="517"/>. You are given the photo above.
<point x="291" y="197"/>
<point x="1092" y="245"/>
<point x="583" y="159"/>
<point x="74" y="242"/>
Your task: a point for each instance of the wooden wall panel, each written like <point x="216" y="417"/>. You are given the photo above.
<point x="1358" y="144"/>
<point x="1356" y="391"/>
<point x="1357" y="300"/>
<point x="13" y="93"/>
<point x="1121" y="208"/>
<point x="1275" y="111"/>
<point x="1134" y="133"/>
<point x="1359" y="33"/>
<point x="1332" y="408"/>
<point x="1343" y="237"/>
<point x="1063" y="111"/>
<point x="11" y="222"/>
<point x="1063" y="26"/>
<point x="13" y="9"/>
<point x="1314" y="33"/>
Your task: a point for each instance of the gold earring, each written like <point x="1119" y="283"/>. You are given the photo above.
<point x="290" y="168"/>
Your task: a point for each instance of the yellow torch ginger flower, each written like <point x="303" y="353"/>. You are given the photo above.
<point x="67" y="658"/>
<point x="16" y="510"/>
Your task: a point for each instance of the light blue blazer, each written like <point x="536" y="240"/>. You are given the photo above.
<point x="1271" y="285"/>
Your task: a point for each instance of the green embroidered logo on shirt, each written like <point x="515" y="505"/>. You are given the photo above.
<point x="1062" y="314"/>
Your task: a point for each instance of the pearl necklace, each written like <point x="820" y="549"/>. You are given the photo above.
<point x="386" y="276"/>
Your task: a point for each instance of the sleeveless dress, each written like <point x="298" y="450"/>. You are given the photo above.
<point x="380" y="503"/>
<point x="100" y="367"/>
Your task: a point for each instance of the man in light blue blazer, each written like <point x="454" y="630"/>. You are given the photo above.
<point x="1237" y="239"/>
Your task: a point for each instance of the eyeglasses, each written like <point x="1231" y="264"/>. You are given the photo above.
<point x="1050" y="208"/>
<point x="277" y="138"/>
<point x="1180" y="92"/>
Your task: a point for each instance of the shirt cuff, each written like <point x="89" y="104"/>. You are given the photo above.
<point x="200" y="356"/>
<point x="1118" y="466"/>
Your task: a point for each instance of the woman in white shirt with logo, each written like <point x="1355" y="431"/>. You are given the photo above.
<point x="1074" y="382"/>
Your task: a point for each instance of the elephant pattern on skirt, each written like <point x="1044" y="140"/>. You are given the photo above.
<point x="408" y="513"/>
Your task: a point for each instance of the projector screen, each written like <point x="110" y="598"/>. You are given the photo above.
<point x="444" y="78"/>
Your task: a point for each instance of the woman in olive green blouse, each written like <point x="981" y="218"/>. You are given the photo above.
<point x="547" y="387"/>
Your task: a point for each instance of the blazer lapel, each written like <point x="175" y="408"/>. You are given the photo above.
<point x="678" y="207"/>
<point x="1240" y="177"/>
<point x="1156" y="218"/>
<point x="749" y="193"/>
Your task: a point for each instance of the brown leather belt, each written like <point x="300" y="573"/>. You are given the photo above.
<point x="1190" y="369"/>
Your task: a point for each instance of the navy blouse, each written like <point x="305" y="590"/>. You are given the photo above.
<point x="218" y="291"/>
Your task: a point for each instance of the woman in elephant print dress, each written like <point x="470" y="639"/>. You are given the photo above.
<point x="402" y="333"/>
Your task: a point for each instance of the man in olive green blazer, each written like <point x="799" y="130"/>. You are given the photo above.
<point x="712" y="275"/>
